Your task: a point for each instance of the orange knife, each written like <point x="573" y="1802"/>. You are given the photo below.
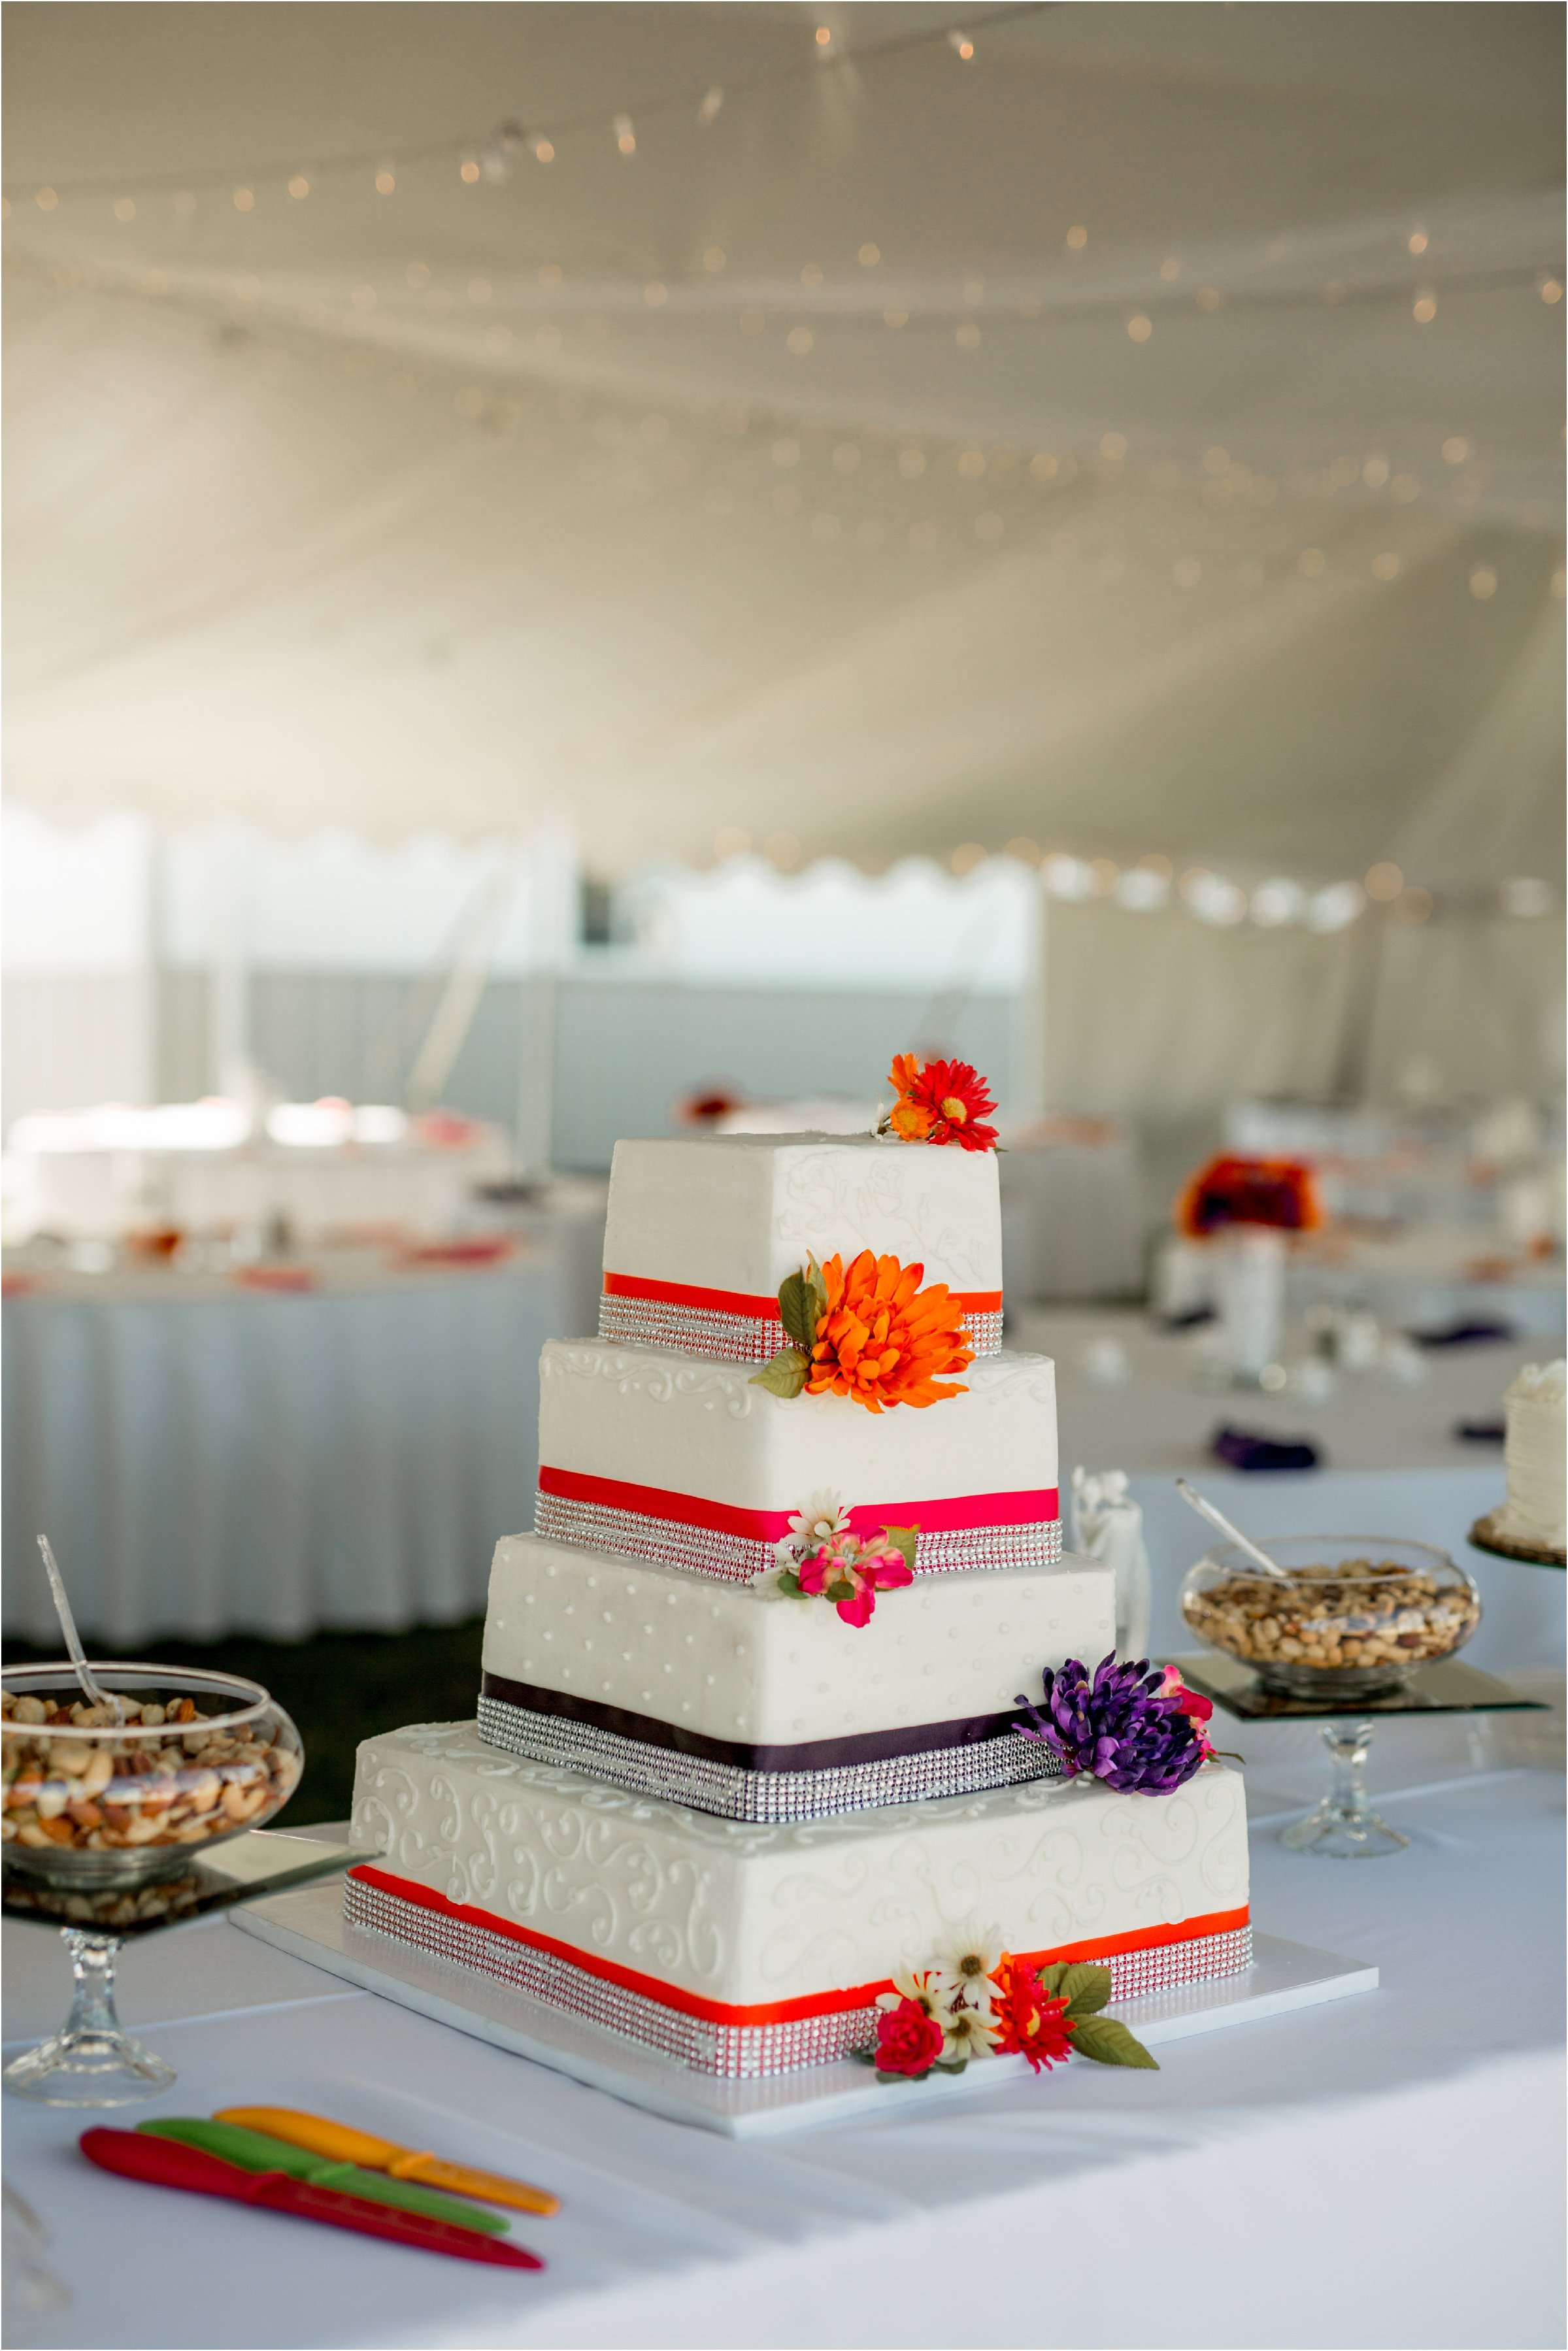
<point x="348" y="2146"/>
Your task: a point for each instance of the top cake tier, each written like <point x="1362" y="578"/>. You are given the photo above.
<point x="702" y="1232"/>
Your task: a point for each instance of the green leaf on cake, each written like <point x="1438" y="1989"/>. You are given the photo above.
<point x="841" y="1589"/>
<point x="798" y="1311"/>
<point x="903" y="1540"/>
<point x="1086" y="1989"/>
<point x="785" y="1375"/>
<point x="1107" y="2039"/>
<point x="788" y="1581"/>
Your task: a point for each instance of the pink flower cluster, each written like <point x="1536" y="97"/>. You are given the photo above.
<point x="851" y="1573"/>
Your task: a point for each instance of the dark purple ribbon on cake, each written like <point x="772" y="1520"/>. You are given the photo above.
<point x="805" y="1755"/>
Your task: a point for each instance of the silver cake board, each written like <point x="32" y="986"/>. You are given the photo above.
<point x="310" y="1925"/>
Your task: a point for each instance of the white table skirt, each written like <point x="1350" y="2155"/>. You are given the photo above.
<point x="1385" y="2172"/>
<point x="1072" y="1220"/>
<point x="227" y="1462"/>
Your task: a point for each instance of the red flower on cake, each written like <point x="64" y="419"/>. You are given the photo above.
<point x="1281" y="1193"/>
<point x="940" y="1101"/>
<point x="882" y="1339"/>
<point x="1200" y="1710"/>
<point x="1028" y="2022"/>
<point x="908" y="2039"/>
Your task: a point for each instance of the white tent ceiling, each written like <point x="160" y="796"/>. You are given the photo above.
<point x="806" y="470"/>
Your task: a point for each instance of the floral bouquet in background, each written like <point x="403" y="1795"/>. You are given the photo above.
<point x="1248" y="1208"/>
<point x="1280" y="1195"/>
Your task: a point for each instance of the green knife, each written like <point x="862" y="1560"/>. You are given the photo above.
<point x="256" y="2151"/>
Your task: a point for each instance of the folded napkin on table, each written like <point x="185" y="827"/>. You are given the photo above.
<point x="1248" y="1448"/>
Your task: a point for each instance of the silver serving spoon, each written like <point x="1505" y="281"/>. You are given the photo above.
<point x="1218" y="1519"/>
<point x="90" y="1689"/>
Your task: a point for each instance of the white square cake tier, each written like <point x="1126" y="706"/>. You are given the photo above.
<point x="747" y="1664"/>
<point x="702" y="1230"/>
<point x="738" y="1212"/>
<point x="741" y="1927"/>
<point x="672" y="1458"/>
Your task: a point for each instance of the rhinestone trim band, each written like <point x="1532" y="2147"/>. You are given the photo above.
<point x="726" y="1338"/>
<point x="737" y="1794"/>
<point x="735" y="1559"/>
<point x="737" y="2052"/>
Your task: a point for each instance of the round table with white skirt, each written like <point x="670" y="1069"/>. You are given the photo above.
<point x="210" y="1459"/>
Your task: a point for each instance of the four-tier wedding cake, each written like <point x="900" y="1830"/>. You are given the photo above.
<point x="782" y="1705"/>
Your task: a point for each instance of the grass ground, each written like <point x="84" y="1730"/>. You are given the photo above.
<point x="340" y="1688"/>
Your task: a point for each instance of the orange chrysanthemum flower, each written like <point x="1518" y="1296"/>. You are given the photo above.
<point x="941" y="1102"/>
<point x="883" y="1339"/>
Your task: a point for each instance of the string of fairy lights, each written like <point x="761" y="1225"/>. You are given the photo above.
<point x="1040" y="498"/>
<point x="493" y="156"/>
<point x="1154" y="883"/>
<point x="816" y="467"/>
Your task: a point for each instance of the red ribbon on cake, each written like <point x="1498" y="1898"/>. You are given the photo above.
<point x="773" y="2011"/>
<point x="742" y="1301"/>
<point x="952" y="1515"/>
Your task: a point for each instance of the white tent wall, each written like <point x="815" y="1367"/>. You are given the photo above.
<point x="1471" y="1008"/>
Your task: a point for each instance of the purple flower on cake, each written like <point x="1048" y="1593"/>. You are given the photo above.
<point x="1126" y="1726"/>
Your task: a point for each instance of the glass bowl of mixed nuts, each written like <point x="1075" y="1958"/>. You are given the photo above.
<point x="1358" y="1615"/>
<point x="91" y="1800"/>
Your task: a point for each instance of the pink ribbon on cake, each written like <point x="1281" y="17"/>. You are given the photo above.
<point x="955" y="1515"/>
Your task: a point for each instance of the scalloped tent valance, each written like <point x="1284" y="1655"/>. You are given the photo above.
<point x="1140" y="434"/>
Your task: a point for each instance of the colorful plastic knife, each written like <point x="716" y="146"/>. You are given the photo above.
<point x="348" y="2146"/>
<point x="256" y="2151"/>
<point x="166" y="2163"/>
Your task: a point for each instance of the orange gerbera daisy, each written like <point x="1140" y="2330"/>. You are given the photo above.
<point x="941" y="1102"/>
<point x="882" y="1339"/>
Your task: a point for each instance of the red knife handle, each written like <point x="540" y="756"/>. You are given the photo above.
<point x="302" y="2197"/>
<point x="169" y="2163"/>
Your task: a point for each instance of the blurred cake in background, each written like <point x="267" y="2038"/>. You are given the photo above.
<point x="1533" y="1521"/>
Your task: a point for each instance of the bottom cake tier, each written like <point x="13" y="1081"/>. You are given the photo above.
<point x="746" y="1950"/>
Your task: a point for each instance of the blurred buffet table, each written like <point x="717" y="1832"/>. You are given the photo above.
<point x="1086" y="2207"/>
<point x="1391" y="1459"/>
<point x="332" y="1438"/>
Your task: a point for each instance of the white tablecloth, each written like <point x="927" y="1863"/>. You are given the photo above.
<point x="424" y="1188"/>
<point x="209" y="1460"/>
<point x="1383" y="2172"/>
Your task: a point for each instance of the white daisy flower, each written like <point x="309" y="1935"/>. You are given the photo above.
<point x="918" y="1984"/>
<point x="969" y="2032"/>
<point x="821" y="1519"/>
<point x="965" y="1959"/>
